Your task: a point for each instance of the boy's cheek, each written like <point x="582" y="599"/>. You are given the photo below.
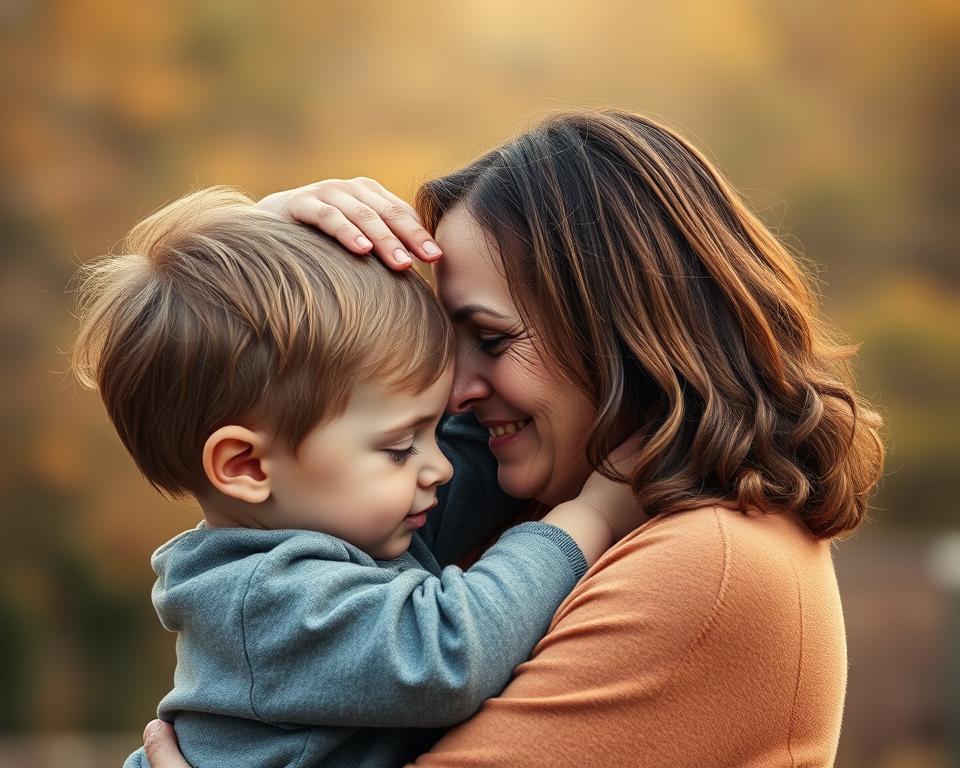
<point x="392" y="550"/>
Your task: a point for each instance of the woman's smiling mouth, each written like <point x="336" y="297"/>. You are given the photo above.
<point x="504" y="431"/>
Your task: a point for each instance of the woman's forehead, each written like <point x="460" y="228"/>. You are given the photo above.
<point x="470" y="272"/>
<point x="459" y="232"/>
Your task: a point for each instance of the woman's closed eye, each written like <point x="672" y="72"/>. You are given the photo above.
<point x="400" y="455"/>
<point x="494" y="345"/>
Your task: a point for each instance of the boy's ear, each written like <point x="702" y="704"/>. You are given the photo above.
<point x="231" y="461"/>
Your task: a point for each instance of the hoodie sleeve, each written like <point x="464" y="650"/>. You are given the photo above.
<point x="346" y="644"/>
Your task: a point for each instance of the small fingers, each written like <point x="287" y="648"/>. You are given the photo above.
<point x="160" y="744"/>
<point x="623" y="458"/>
<point x="400" y="217"/>
<point x="362" y="215"/>
<point x="330" y="220"/>
<point x="367" y="221"/>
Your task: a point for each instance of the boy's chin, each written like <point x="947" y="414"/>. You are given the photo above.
<point x="391" y="552"/>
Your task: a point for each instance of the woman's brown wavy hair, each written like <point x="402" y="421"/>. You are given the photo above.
<point x="669" y="304"/>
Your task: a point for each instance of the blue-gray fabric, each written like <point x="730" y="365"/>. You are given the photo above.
<point x="295" y="648"/>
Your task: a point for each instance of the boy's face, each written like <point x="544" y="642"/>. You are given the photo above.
<point x="368" y="476"/>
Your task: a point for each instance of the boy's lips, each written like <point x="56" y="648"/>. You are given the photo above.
<point x="424" y="510"/>
<point x="416" y="521"/>
<point x="419" y="519"/>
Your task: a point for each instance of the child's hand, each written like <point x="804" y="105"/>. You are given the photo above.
<point x="160" y="744"/>
<point x="615" y="502"/>
<point x="605" y="511"/>
<point x="363" y="215"/>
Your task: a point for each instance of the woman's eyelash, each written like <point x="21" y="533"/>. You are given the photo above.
<point x="400" y="455"/>
<point x="490" y="343"/>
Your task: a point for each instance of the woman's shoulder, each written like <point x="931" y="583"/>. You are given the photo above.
<point x="696" y="590"/>
<point x="680" y="574"/>
<point x="714" y="541"/>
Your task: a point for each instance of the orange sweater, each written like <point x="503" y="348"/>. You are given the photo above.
<point x="705" y="638"/>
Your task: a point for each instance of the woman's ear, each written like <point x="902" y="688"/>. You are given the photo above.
<point x="232" y="462"/>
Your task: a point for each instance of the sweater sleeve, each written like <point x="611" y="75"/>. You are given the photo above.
<point x="472" y="505"/>
<point x="680" y="647"/>
<point x="354" y="645"/>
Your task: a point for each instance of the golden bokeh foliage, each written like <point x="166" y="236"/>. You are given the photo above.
<point x="837" y="121"/>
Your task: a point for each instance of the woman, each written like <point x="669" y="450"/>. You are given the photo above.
<point x="603" y="281"/>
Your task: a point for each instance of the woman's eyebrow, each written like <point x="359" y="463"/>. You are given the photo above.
<point x="469" y="310"/>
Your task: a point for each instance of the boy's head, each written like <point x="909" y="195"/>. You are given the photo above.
<point x="246" y="360"/>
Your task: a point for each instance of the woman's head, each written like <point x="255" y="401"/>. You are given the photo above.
<point x="647" y="298"/>
<point x="537" y="417"/>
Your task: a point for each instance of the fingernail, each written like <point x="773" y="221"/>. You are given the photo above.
<point x="363" y="242"/>
<point x="152" y="727"/>
<point x="431" y="248"/>
<point x="402" y="256"/>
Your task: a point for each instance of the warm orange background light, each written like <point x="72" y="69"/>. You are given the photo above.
<point x="837" y="121"/>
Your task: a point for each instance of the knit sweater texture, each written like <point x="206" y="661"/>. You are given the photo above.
<point x="704" y="638"/>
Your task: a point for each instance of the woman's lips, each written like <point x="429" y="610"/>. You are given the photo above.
<point x="505" y="432"/>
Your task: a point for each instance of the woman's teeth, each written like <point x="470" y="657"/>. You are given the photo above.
<point x="507" y="429"/>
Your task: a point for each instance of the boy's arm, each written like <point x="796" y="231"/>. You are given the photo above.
<point x="472" y="505"/>
<point x="347" y="644"/>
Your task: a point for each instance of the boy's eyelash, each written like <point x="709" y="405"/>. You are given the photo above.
<point x="400" y="455"/>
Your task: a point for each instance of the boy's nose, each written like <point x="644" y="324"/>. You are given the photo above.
<point x="445" y="470"/>
<point x="438" y="471"/>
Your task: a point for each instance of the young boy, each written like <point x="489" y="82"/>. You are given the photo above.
<point x="295" y="392"/>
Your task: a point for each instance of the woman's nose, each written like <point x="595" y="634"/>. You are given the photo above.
<point x="467" y="388"/>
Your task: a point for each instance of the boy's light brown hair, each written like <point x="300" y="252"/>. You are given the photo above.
<point x="217" y="312"/>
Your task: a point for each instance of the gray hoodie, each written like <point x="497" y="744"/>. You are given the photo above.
<point x="295" y="648"/>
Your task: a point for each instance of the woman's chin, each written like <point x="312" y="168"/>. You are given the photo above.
<point x="553" y="498"/>
<point x="517" y="483"/>
<point x="523" y="481"/>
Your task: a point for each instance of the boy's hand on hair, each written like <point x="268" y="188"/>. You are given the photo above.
<point x="362" y="215"/>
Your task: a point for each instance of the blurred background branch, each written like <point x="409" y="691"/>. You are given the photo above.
<point x="837" y="121"/>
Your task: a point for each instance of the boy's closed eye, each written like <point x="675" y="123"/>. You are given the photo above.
<point x="400" y="455"/>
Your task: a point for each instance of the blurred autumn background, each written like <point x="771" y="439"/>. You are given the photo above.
<point x="839" y="122"/>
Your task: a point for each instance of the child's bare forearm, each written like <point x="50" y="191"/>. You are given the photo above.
<point x="601" y="514"/>
<point x="580" y="519"/>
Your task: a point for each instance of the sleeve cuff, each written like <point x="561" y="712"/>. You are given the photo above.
<point x="563" y="540"/>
